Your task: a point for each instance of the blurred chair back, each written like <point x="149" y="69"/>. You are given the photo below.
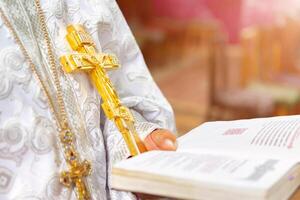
<point x="250" y="45"/>
<point x="270" y="52"/>
<point x="290" y="41"/>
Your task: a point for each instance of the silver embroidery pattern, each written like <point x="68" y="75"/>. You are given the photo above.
<point x="27" y="130"/>
<point x="14" y="141"/>
<point x="6" y="179"/>
<point x="12" y="71"/>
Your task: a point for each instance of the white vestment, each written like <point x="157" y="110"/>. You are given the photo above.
<point x="30" y="153"/>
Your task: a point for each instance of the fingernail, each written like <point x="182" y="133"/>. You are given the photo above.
<point x="168" y="145"/>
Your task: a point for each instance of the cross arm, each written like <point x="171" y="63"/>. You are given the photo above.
<point x="85" y="62"/>
<point x="76" y="62"/>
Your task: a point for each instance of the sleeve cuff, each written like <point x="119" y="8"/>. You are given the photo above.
<point x="143" y="128"/>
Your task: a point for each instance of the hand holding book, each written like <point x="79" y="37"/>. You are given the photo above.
<point x="161" y="139"/>
<point x="245" y="159"/>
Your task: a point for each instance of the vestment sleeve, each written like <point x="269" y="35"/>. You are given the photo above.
<point x="133" y="83"/>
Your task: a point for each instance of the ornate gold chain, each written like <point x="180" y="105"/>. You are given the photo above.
<point x="51" y="58"/>
<point x="77" y="169"/>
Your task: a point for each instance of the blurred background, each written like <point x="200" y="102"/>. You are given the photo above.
<point x="221" y="59"/>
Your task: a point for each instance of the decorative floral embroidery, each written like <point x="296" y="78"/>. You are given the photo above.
<point x="6" y="179"/>
<point x="27" y="130"/>
<point x="43" y="136"/>
<point x="14" y="141"/>
<point x="13" y="71"/>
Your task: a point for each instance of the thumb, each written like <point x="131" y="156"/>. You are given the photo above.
<point x="161" y="139"/>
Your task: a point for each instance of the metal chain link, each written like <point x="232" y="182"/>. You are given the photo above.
<point x="51" y="57"/>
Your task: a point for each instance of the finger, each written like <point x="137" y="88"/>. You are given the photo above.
<point x="161" y="139"/>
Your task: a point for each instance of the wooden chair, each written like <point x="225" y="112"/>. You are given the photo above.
<point x="290" y="43"/>
<point x="231" y="103"/>
<point x="262" y="56"/>
<point x="289" y="54"/>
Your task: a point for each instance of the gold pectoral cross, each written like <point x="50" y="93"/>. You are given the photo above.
<point x="75" y="176"/>
<point x="87" y="59"/>
<point x="77" y="170"/>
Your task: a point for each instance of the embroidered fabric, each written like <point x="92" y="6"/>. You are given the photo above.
<point x="30" y="157"/>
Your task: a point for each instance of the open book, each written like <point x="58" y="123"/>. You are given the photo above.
<point x="244" y="159"/>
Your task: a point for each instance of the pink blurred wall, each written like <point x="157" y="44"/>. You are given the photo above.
<point x="232" y="14"/>
<point x="226" y="11"/>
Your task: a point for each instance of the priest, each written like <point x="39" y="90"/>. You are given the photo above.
<point x="51" y="121"/>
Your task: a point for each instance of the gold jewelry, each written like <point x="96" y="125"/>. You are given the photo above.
<point x="87" y="59"/>
<point x="77" y="169"/>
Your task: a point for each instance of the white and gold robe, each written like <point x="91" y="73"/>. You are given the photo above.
<point x="30" y="155"/>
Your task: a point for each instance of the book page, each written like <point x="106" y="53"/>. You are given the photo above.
<point x="209" y="168"/>
<point x="276" y="137"/>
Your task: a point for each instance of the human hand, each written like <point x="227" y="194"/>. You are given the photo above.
<point x="161" y="139"/>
